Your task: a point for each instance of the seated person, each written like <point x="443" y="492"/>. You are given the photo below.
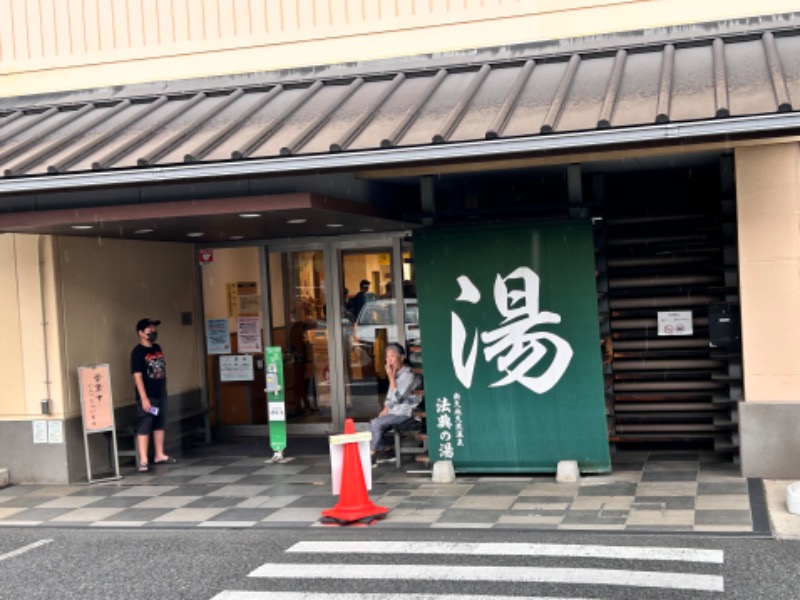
<point x="400" y="398"/>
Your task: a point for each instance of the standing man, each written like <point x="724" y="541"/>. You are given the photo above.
<point x="150" y="378"/>
<point x="360" y="299"/>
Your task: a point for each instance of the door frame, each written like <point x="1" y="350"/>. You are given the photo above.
<point x="332" y="250"/>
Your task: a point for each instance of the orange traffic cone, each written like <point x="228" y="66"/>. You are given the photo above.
<point x="354" y="503"/>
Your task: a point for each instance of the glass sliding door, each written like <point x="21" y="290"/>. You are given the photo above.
<point x="299" y="309"/>
<point x="368" y="323"/>
<point x="334" y="305"/>
<point x="379" y="307"/>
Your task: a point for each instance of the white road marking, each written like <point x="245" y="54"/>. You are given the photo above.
<point x="512" y="549"/>
<point x="648" y="579"/>
<point x="24" y="549"/>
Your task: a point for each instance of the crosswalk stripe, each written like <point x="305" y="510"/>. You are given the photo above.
<point x="513" y="549"/>
<point x="245" y="595"/>
<point x="648" y="579"/>
<point x="24" y="549"/>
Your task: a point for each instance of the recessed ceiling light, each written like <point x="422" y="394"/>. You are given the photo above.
<point x="143" y="231"/>
<point x="82" y="226"/>
<point x="334" y="225"/>
<point x="236" y="237"/>
<point x="249" y="215"/>
<point x="195" y="234"/>
<point x="296" y="221"/>
<point x="366" y="230"/>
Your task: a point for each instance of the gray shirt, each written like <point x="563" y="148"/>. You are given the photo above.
<point x="402" y="401"/>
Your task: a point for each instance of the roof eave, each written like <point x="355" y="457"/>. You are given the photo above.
<point x="667" y="134"/>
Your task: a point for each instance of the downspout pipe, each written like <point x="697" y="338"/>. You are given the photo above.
<point x="44" y="323"/>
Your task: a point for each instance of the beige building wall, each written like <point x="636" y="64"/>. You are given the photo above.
<point x="48" y="45"/>
<point x="12" y="378"/>
<point x="82" y="297"/>
<point x="74" y="301"/>
<point x="107" y="286"/>
<point x="230" y="265"/>
<point x="31" y="360"/>
<point x="768" y="202"/>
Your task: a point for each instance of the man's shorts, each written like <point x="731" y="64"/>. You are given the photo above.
<point x="146" y="423"/>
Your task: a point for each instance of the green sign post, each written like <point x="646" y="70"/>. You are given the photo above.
<point x="511" y="347"/>
<point x="276" y="407"/>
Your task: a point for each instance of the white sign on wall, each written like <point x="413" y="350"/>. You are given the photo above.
<point x="236" y="367"/>
<point x="675" y="323"/>
<point x="40" y="432"/>
<point x="248" y="334"/>
<point x="55" y="432"/>
<point x="218" y="338"/>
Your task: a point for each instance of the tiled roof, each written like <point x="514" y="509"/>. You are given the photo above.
<point x="684" y="81"/>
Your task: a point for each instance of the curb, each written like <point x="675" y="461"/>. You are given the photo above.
<point x="785" y="525"/>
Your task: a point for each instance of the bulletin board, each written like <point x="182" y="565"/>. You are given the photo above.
<point x="97" y="409"/>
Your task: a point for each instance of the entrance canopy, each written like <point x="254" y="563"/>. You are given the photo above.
<point x="213" y="220"/>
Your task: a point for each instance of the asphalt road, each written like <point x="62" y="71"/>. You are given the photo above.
<point x="346" y="562"/>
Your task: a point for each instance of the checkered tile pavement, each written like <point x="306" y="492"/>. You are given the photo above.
<point x="233" y="486"/>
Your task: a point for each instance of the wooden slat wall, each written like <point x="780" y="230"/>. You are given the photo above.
<point x="664" y="252"/>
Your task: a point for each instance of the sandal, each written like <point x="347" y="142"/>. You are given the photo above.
<point x="144" y="468"/>
<point x="170" y="460"/>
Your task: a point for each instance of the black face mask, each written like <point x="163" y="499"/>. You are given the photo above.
<point x="152" y="336"/>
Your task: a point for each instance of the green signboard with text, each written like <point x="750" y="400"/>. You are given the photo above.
<point x="511" y="347"/>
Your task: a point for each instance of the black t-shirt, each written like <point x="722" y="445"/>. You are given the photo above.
<point x="151" y="364"/>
